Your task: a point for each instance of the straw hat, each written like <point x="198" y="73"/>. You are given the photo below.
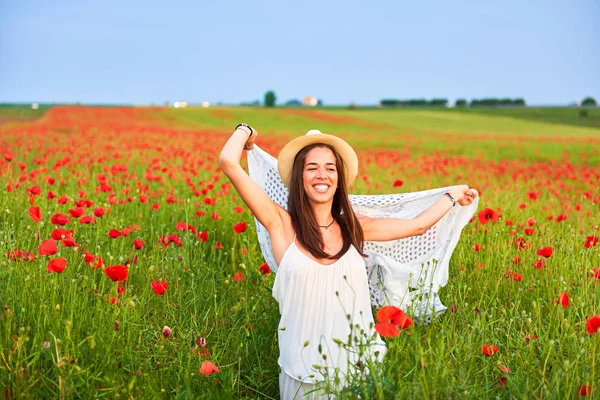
<point x="285" y="161"/>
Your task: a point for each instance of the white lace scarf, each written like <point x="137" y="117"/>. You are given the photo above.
<point x="394" y="267"/>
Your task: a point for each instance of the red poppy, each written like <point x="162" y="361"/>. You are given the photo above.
<point x="517" y="277"/>
<point x="264" y="269"/>
<point x="529" y="231"/>
<point x="590" y="241"/>
<point x="117" y="273"/>
<point x="35" y="214"/>
<point x="69" y="242"/>
<point x="207" y="368"/>
<point x="113" y="234"/>
<point x="595" y="273"/>
<point x="476" y="247"/>
<point x="87" y="220"/>
<point x="218" y="245"/>
<point x="159" y="287"/>
<point x="545" y="252"/>
<point x="57" y="265"/>
<point x="563" y="300"/>
<point x="34" y="190"/>
<point x="593" y="324"/>
<point x="386" y="329"/>
<point x="238" y="277"/>
<point x="60" y="233"/>
<point x="489" y="350"/>
<point x="238" y="209"/>
<point x="534" y="195"/>
<point x="113" y="300"/>
<point x="203" y="236"/>
<point x="390" y="314"/>
<point x="530" y="221"/>
<point x="176" y="240"/>
<point x="99" y="212"/>
<point x="88" y="257"/>
<point x="504" y="369"/>
<point x="120" y="289"/>
<point x="48" y="248"/>
<point x="561" y="218"/>
<point x="125" y="231"/>
<point x="18" y="255"/>
<point x="181" y="226"/>
<point x="191" y="228"/>
<point x="488" y="215"/>
<point x="398" y="183"/>
<point x="516" y="260"/>
<point x="59" y="219"/>
<point x="77" y="212"/>
<point x="240" y="227"/>
<point x="584" y="390"/>
<point x="391" y="318"/>
<point x="138" y="244"/>
<point x="539" y="264"/>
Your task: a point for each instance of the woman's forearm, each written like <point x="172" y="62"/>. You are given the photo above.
<point x="232" y="151"/>
<point x="433" y="214"/>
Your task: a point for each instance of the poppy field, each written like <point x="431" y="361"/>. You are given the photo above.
<point x="130" y="268"/>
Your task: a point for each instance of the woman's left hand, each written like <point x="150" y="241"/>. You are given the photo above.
<point x="468" y="197"/>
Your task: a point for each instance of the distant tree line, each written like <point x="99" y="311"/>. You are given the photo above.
<point x="490" y="102"/>
<point x="414" y="102"/>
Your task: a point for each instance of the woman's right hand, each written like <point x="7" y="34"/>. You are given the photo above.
<point x="250" y="142"/>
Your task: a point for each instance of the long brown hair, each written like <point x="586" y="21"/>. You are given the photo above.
<point x="303" y="218"/>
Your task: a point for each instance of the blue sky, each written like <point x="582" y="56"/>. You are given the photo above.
<point x="145" y="52"/>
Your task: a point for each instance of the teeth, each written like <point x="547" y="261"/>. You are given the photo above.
<point x="321" y="188"/>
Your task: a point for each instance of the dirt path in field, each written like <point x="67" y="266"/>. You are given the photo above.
<point x="7" y="119"/>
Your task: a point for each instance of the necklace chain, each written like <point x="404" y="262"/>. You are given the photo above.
<point x="327" y="226"/>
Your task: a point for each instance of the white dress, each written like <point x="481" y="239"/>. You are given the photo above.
<point x="318" y="303"/>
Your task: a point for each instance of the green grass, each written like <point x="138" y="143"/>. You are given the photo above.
<point x="60" y="337"/>
<point x="21" y="112"/>
<point x="472" y="121"/>
<point x="585" y="116"/>
<point x="416" y="131"/>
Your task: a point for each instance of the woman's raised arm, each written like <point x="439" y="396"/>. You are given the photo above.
<point x="384" y="229"/>
<point x="266" y="210"/>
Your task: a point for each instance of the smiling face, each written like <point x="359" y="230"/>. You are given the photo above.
<point x="320" y="175"/>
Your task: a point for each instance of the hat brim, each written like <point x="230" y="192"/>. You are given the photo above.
<point x="285" y="160"/>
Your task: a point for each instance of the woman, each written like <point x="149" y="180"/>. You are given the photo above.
<point x="321" y="284"/>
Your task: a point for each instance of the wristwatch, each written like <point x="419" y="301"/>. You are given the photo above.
<point x="245" y="126"/>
